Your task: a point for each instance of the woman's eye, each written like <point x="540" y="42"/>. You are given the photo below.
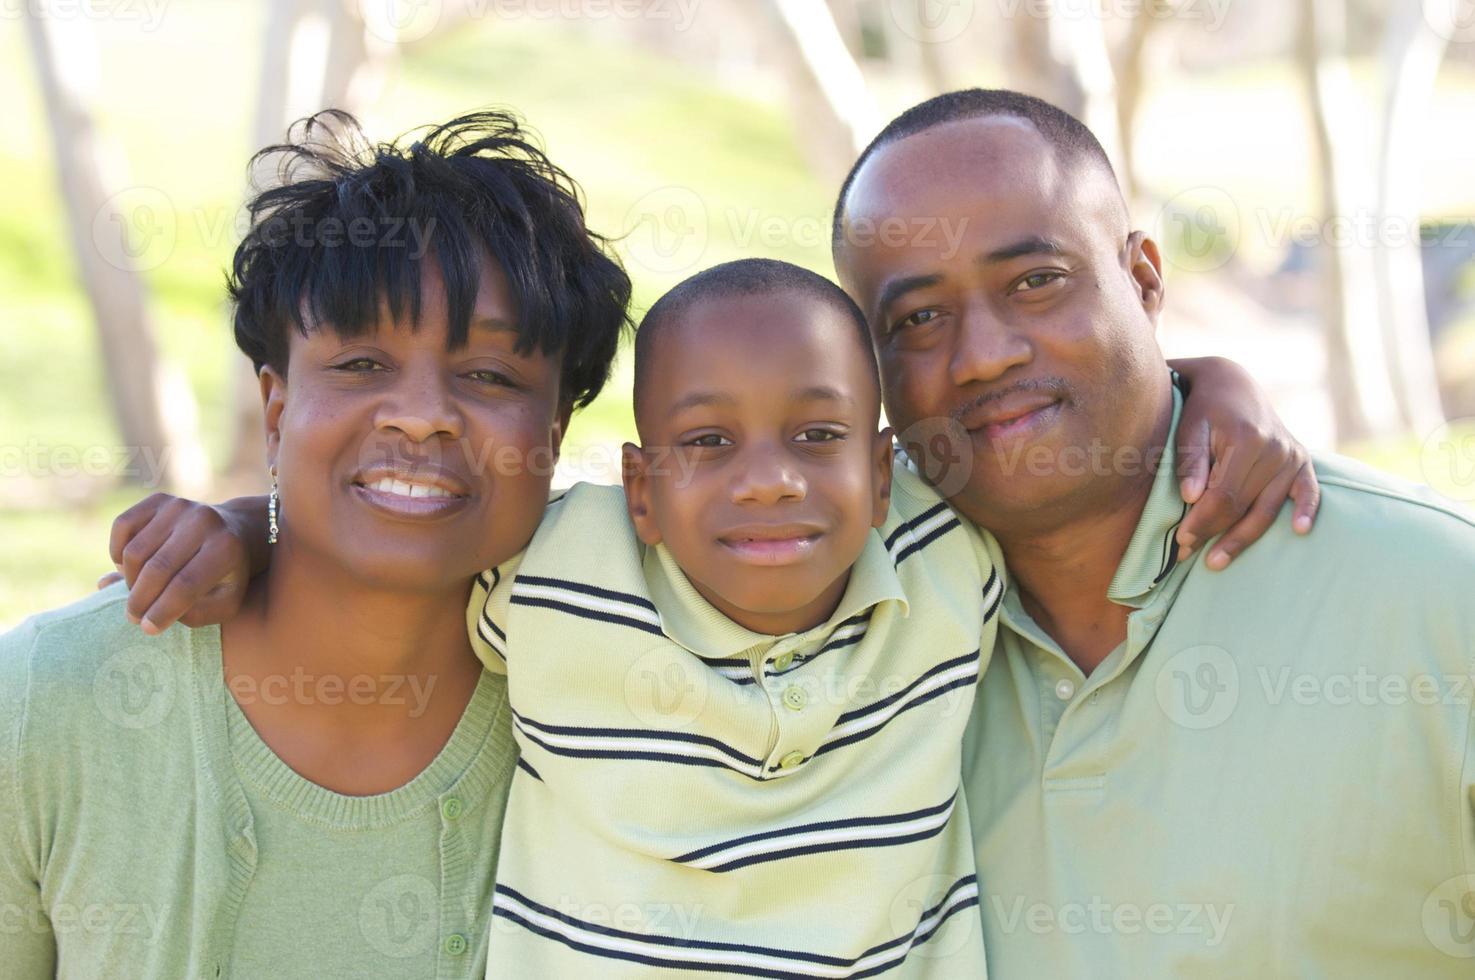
<point x="709" y="441"/>
<point x="819" y="435"/>
<point x="491" y="378"/>
<point x="359" y="365"/>
<point x="1036" y="280"/>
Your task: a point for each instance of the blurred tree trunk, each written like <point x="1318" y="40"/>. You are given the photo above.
<point x="152" y="404"/>
<point x="1412" y="52"/>
<point x="834" y="114"/>
<point x="1131" y="67"/>
<point x="319" y="47"/>
<point x="1362" y="397"/>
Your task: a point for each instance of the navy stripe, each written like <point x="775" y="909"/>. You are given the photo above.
<point x="594" y="614"/>
<point x="867" y="733"/>
<point x="821" y="825"/>
<point x="594" y="590"/>
<point x="915" y="938"/>
<point x="843" y="845"/>
<point x="915" y="522"/>
<point x="918" y="545"/>
<point x="637" y="733"/>
<point x="523" y="765"/>
<point x="875" y="706"/>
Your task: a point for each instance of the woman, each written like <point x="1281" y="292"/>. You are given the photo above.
<point x="315" y="787"/>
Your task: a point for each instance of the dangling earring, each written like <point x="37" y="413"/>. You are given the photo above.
<point x="273" y="503"/>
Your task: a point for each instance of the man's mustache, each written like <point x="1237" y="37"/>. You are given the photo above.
<point x="1057" y="386"/>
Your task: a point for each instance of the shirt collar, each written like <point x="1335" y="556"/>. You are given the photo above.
<point x="691" y="621"/>
<point x="1152" y="553"/>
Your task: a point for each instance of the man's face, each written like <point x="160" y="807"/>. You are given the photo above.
<point x="762" y="469"/>
<point x="410" y="465"/>
<point x="1015" y="305"/>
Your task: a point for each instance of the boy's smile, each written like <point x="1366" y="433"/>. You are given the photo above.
<point x="771" y="406"/>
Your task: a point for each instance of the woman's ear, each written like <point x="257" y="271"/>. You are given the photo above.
<point x="560" y="428"/>
<point x="273" y="402"/>
<point x="884" y="460"/>
<point x="635" y="472"/>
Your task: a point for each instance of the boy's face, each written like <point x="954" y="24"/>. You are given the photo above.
<point x="762" y="468"/>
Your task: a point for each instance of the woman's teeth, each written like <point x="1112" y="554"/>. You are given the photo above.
<point x="404" y="489"/>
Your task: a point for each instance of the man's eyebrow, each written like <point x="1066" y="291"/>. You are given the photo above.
<point x="1033" y="245"/>
<point x="895" y="289"/>
<point x="698" y="399"/>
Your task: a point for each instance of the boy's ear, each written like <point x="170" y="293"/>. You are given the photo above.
<point x="635" y="472"/>
<point x="883" y="461"/>
<point x="273" y="402"/>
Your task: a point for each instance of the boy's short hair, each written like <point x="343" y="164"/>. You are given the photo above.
<point x="744" y="277"/>
<point x="345" y="228"/>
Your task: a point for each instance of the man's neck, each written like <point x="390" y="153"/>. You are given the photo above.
<point x="356" y="688"/>
<point x="1064" y="572"/>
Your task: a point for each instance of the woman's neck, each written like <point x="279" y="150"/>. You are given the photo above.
<point x="357" y="688"/>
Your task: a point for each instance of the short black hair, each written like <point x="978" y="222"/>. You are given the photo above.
<point x="744" y="277"/>
<point x="1067" y="135"/>
<point x="348" y="222"/>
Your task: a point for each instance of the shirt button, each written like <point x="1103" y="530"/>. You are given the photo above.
<point x="791" y="760"/>
<point x="1065" y="689"/>
<point x="455" y="944"/>
<point x="451" y="808"/>
<point x="795" y="697"/>
<point x="783" y="661"/>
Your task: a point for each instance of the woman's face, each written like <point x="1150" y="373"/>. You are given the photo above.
<point x="411" y="466"/>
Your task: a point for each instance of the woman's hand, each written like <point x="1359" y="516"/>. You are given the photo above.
<point x="1237" y="462"/>
<point x="185" y="561"/>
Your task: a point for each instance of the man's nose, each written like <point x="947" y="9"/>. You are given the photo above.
<point x="986" y="347"/>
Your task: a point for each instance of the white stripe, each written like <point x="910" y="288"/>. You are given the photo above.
<point x="483" y="629"/>
<point x="585" y="601"/>
<point x="921" y="531"/>
<point x="837" y="834"/>
<point x="719" y="957"/>
<point x="879" y="718"/>
<point x="606" y="743"/>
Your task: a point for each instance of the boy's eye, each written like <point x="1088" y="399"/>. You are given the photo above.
<point x="819" y="435"/>
<point x="1037" y="280"/>
<point x="709" y="441"/>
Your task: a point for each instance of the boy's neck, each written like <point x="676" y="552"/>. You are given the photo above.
<point x="783" y="622"/>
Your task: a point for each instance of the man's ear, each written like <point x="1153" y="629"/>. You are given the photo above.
<point x="883" y="460"/>
<point x="1146" y="267"/>
<point x="635" y="472"/>
<point x="273" y="403"/>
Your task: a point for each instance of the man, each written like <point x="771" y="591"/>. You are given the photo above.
<point x="1263" y="771"/>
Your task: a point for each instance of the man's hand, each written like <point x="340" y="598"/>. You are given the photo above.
<point x="185" y="561"/>
<point x="1237" y="462"/>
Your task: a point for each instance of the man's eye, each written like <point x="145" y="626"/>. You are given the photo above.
<point x="709" y="441"/>
<point x="1036" y="280"/>
<point x="819" y="435"/>
<point x="916" y="319"/>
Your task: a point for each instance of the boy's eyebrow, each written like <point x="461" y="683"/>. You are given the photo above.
<point x="821" y="393"/>
<point x="697" y="399"/>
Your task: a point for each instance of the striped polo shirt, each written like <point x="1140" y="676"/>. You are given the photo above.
<point x="694" y="798"/>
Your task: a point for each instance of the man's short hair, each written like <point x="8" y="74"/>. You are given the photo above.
<point x="1067" y="135"/>
<point x="345" y="228"/>
<point x="744" y="277"/>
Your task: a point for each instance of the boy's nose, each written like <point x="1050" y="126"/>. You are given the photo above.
<point x="767" y="477"/>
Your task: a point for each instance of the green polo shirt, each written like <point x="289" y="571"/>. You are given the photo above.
<point x="1274" y="776"/>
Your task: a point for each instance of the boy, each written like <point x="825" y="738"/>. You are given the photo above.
<point x="739" y="688"/>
